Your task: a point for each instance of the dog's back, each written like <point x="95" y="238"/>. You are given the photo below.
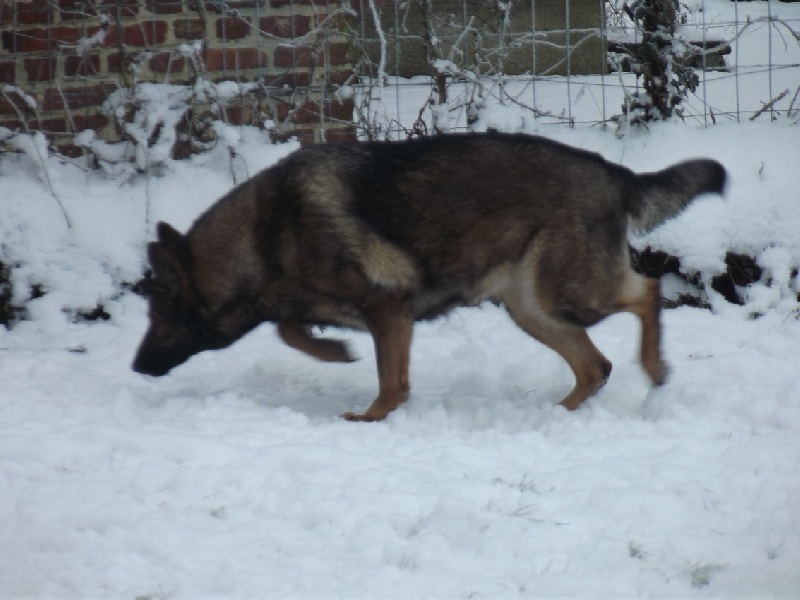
<point x="449" y="209"/>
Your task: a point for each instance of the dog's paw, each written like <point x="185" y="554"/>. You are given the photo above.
<point x="660" y="373"/>
<point x="330" y="350"/>
<point x="357" y="418"/>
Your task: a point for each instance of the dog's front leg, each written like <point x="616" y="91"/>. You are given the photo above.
<point x="390" y="322"/>
<point x="299" y="337"/>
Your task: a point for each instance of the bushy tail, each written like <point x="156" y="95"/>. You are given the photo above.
<point x="664" y="194"/>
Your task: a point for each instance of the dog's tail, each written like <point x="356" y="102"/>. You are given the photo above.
<point x="664" y="194"/>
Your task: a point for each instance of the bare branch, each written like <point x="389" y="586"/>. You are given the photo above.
<point x="769" y="105"/>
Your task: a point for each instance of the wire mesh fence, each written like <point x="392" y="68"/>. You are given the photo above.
<point x="740" y="61"/>
<point x="322" y="70"/>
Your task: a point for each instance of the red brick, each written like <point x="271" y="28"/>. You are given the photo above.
<point x="69" y="150"/>
<point x="122" y="8"/>
<point x="12" y="125"/>
<point x="40" y="69"/>
<point x="338" y="53"/>
<point x="7" y="71"/>
<point x="45" y="40"/>
<point x="166" y="62"/>
<point x="240" y="114"/>
<point x="215" y="6"/>
<point x="234" y="115"/>
<point x="341" y="134"/>
<point x="293" y="79"/>
<point x="110" y="37"/>
<point x="309" y="113"/>
<point x="230" y="28"/>
<point x="189" y="29"/>
<point x="147" y="33"/>
<point x="306" y="137"/>
<point x="282" y="111"/>
<point x="86" y="65"/>
<point x="285" y="27"/>
<point x="57" y="125"/>
<point x="114" y="62"/>
<point x="287" y="57"/>
<point x="229" y="77"/>
<point x="35" y="13"/>
<point x="74" y="9"/>
<point x="281" y="3"/>
<point x="362" y="6"/>
<point x="72" y="99"/>
<point x="5" y="13"/>
<point x="120" y="63"/>
<point x="91" y="121"/>
<point x="306" y="114"/>
<point x="340" y="77"/>
<point x="218" y="59"/>
<point x="166" y="7"/>
<point x="6" y="108"/>
<point x="304" y="134"/>
<point x="301" y="56"/>
<point x="11" y="103"/>
<point x="342" y="111"/>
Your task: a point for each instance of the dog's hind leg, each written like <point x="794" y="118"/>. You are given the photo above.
<point x="390" y="322"/>
<point x="642" y="297"/>
<point x="536" y="300"/>
<point x="590" y="367"/>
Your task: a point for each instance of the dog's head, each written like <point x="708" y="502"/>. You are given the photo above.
<point x="180" y="324"/>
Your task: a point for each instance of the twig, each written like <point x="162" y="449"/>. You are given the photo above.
<point x="47" y="180"/>
<point x="792" y="110"/>
<point x="20" y="115"/>
<point x="39" y="157"/>
<point x="377" y="21"/>
<point x="769" y="104"/>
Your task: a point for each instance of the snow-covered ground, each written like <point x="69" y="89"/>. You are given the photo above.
<point x="234" y="477"/>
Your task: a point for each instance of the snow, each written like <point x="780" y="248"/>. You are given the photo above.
<point x="234" y="477"/>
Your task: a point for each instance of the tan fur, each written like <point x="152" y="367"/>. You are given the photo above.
<point x="391" y="327"/>
<point x="299" y="337"/>
<point x="386" y="265"/>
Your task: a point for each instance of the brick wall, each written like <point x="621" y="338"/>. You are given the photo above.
<point x="60" y="60"/>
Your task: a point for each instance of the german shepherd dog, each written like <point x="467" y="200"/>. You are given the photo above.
<point x="378" y="235"/>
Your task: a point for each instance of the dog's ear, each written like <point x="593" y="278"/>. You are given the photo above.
<point x="168" y="235"/>
<point x="170" y="258"/>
